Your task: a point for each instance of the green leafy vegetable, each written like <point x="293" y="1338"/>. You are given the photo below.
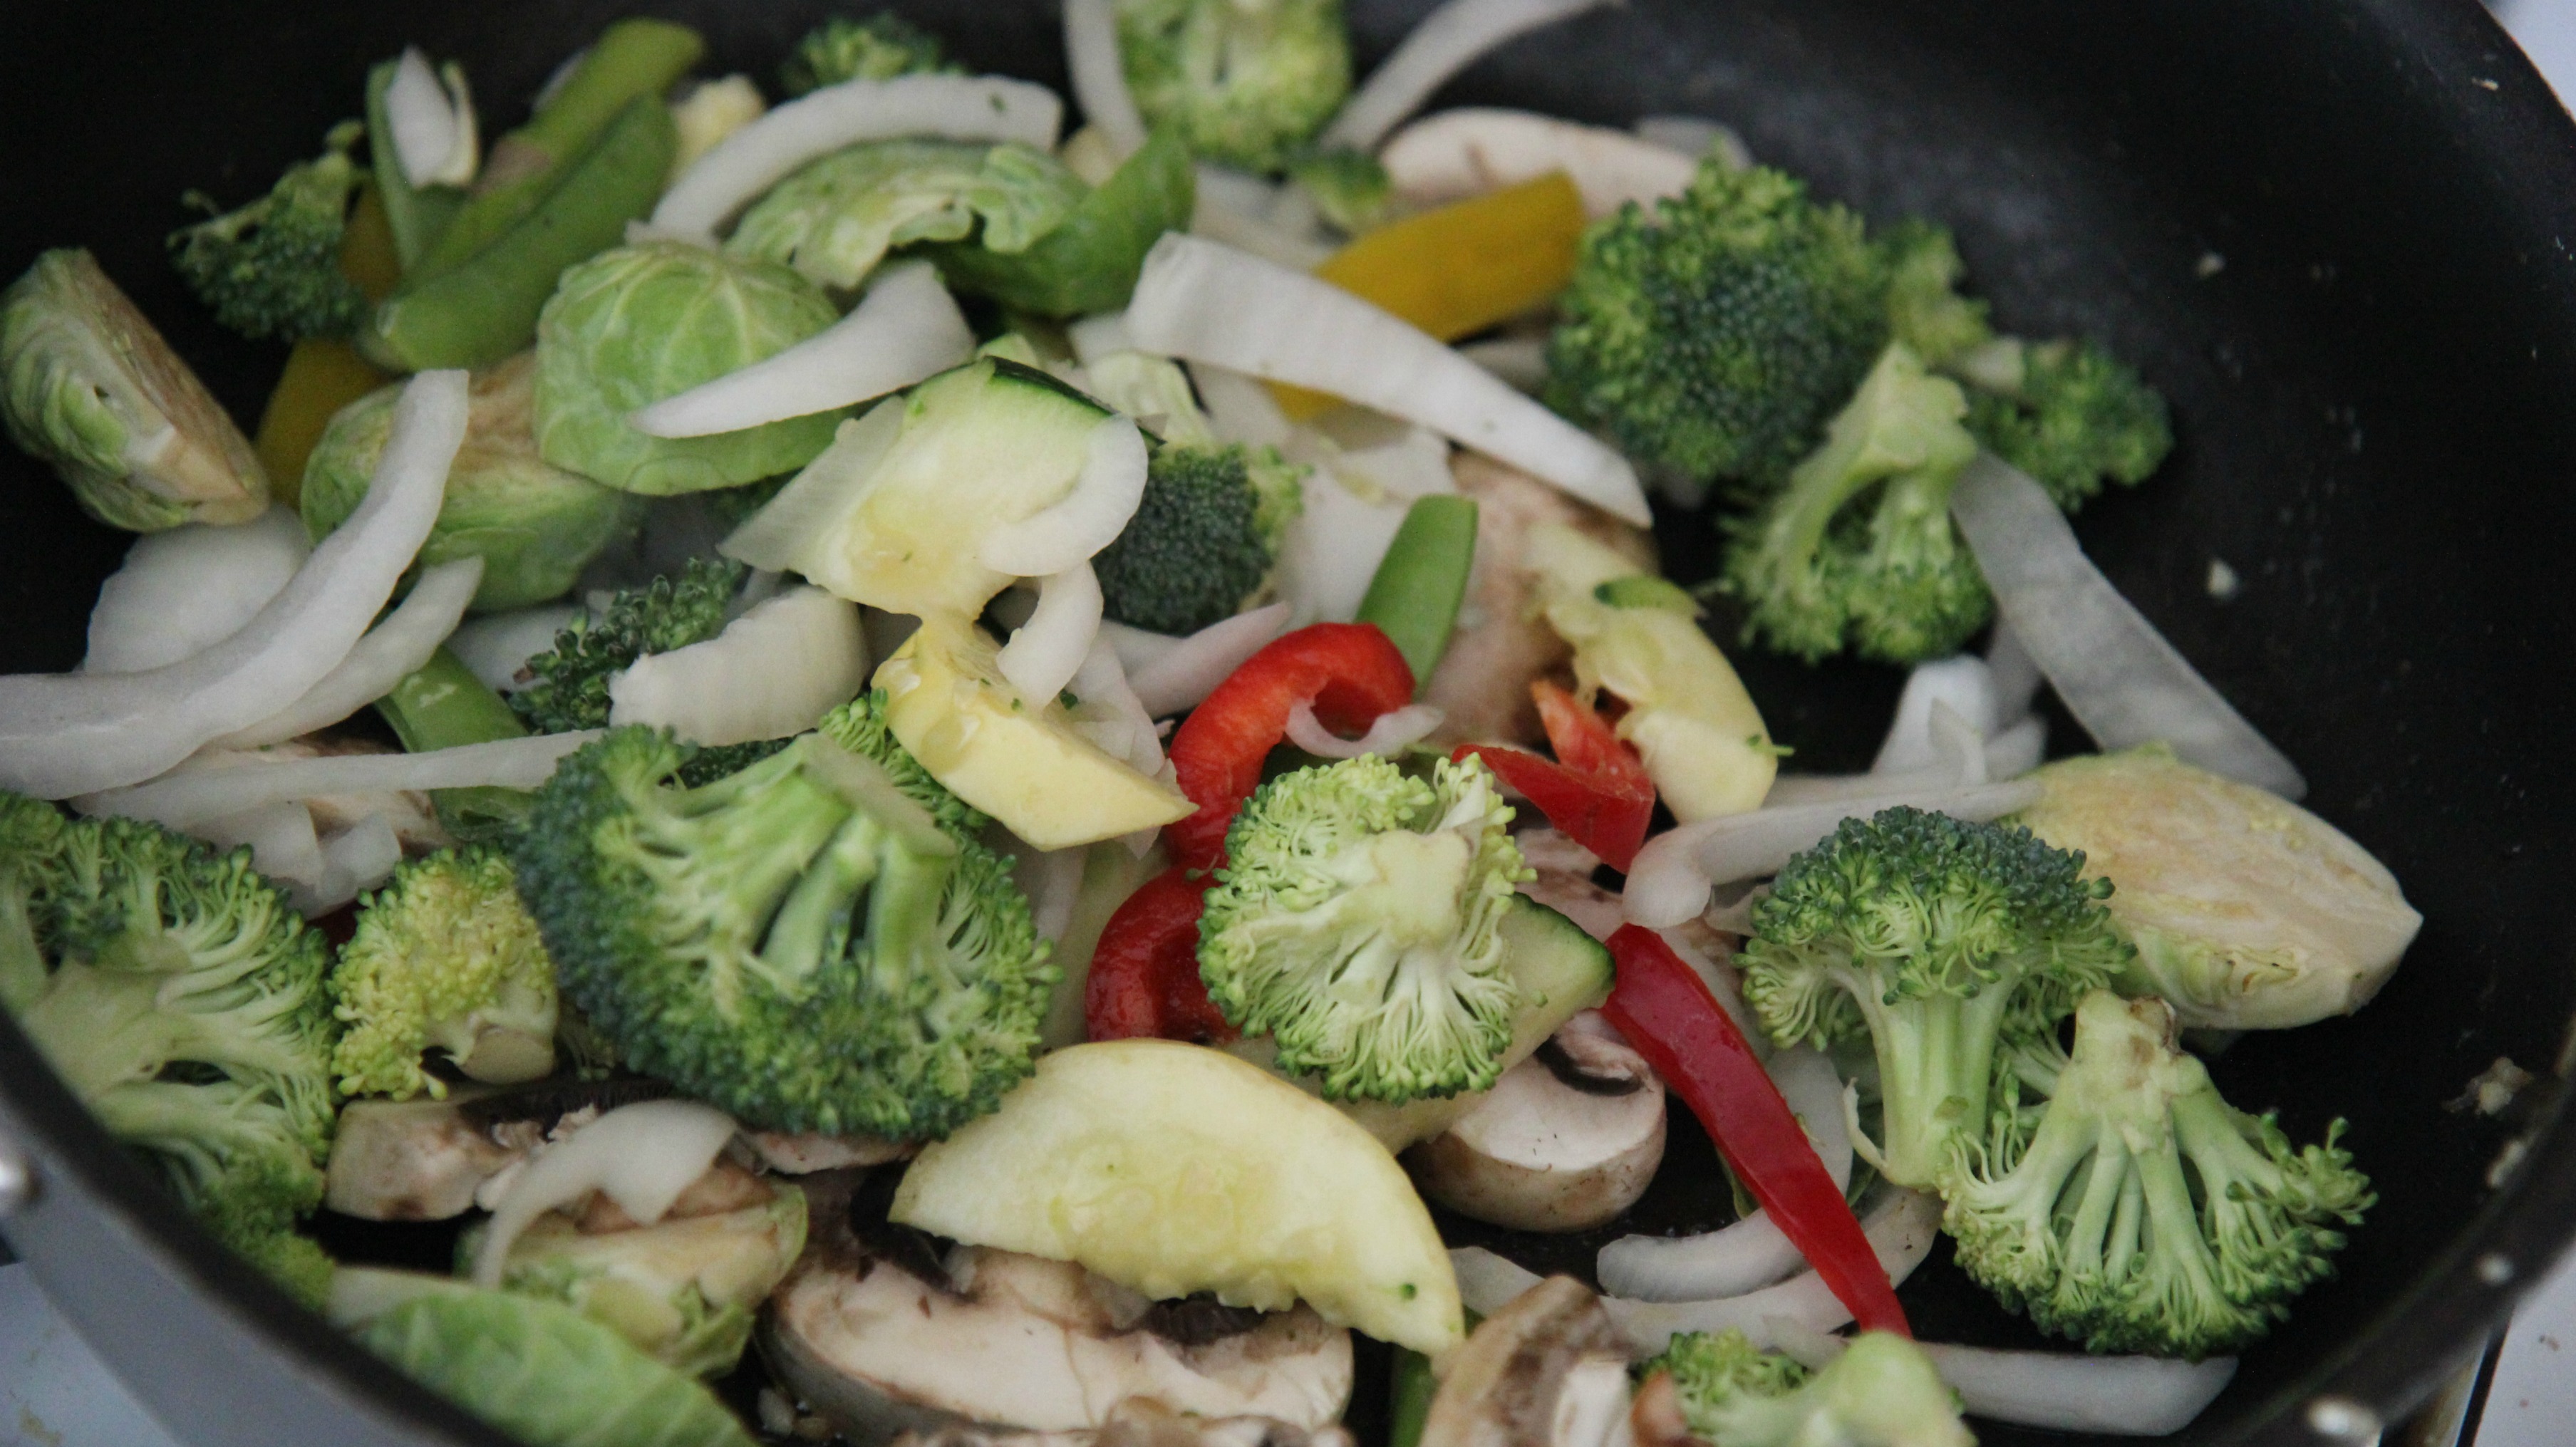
<point x="1089" y="261"/>
<point x="836" y="218"/>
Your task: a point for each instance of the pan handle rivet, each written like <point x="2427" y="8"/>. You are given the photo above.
<point x="2343" y="1421"/>
<point x="17" y="1177"/>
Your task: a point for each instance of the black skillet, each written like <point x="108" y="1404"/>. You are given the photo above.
<point x="2335" y="233"/>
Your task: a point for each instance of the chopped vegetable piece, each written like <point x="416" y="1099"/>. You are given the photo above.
<point x="836" y="219"/>
<point x="414" y="217"/>
<point x="443" y="705"/>
<point x="880" y="47"/>
<point x="1144" y="982"/>
<point x="272" y="268"/>
<point x="1243" y="82"/>
<point x="1422" y="579"/>
<point x="1596" y="792"/>
<point x="444" y="958"/>
<point x="323" y="375"/>
<point x="1089" y="261"/>
<point x="668" y="614"/>
<point x="1881" y="1391"/>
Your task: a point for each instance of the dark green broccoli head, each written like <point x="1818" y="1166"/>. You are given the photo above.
<point x="272" y="268"/>
<point x="801" y="943"/>
<point x="1916" y="592"/>
<point x="1939" y="939"/>
<point x="2075" y="418"/>
<point x="880" y="47"/>
<point x="1715" y="335"/>
<point x="1204" y="538"/>
<point x="571" y="691"/>
<point x="1245" y="82"/>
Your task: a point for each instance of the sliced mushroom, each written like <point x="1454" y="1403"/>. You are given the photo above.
<point x="1011" y="1343"/>
<point x="1461" y="153"/>
<point x="1143" y="1422"/>
<point x="1568" y="1139"/>
<point x="1548" y="1370"/>
<point x="806" y="1153"/>
<point x="425" y="1160"/>
<point x="1501" y="646"/>
<point x="1563" y="881"/>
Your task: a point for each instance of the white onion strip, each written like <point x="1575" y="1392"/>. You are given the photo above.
<point x="354" y="861"/>
<point x="185" y="590"/>
<point x="1207" y="302"/>
<point x="190" y="796"/>
<point x="1109" y="714"/>
<point x="63" y="734"/>
<point x="2117" y="1396"/>
<point x="1751" y="1253"/>
<point x="392" y="650"/>
<point x="432" y="122"/>
<point x="1392" y="730"/>
<point x="905" y="329"/>
<point x="1100" y="75"/>
<point x="1448" y="40"/>
<point x="761" y="154"/>
<point x="1047" y="651"/>
<point x="1673" y="874"/>
<point x="1183" y="675"/>
<point x="496" y="646"/>
<point x="2117" y="674"/>
<point x="1475" y="150"/>
<point x="772" y="672"/>
<point x="1089" y="518"/>
<point x="282" y="843"/>
<point x="640" y="1156"/>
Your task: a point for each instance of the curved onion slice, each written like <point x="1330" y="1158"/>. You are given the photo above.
<point x="190" y="588"/>
<point x="2063" y="1391"/>
<point x="2015" y="674"/>
<point x="355" y="860"/>
<point x="1471" y="151"/>
<point x="641" y="1156"/>
<point x="190" y="796"/>
<point x="1100" y="75"/>
<point x="1210" y="303"/>
<point x="282" y="843"/>
<point x="1448" y="40"/>
<point x="496" y="646"/>
<point x="2117" y="674"/>
<point x="1901" y="1227"/>
<point x="391" y="652"/>
<point x="907" y="328"/>
<point x="1752" y="1253"/>
<point x="74" y="733"/>
<point x="1047" y="651"/>
<point x="1392" y="731"/>
<point x="1695" y="136"/>
<point x="1108" y="713"/>
<point x="1965" y="684"/>
<point x="1673" y="874"/>
<point x="1180" y="676"/>
<point x="759" y="156"/>
<point x="1087" y="519"/>
<point x="772" y="672"/>
<point x="432" y="122"/>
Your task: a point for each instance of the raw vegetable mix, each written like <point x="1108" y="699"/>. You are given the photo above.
<point x="796" y="668"/>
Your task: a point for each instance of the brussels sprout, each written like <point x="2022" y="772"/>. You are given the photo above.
<point x="838" y="217"/>
<point x="535" y="526"/>
<point x="640" y="323"/>
<point x="89" y="386"/>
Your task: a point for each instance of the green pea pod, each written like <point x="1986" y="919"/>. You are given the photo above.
<point x="418" y="216"/>
<point x="1409" y="1394"/>
<point x="1089" y="261"/>
<point x="1415" y="595"/>
<point x="443" y="705"/>
<point x="485" y="308"/>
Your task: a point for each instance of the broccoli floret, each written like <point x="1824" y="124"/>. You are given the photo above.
<point x="1247" y="82"/>
<point x="1204" y="540"/>
<point x="571" y="691"/>
<point x="444" y="958"/>
<point x="2141" y="1212"/>
<point x="1943" y="940"/>
<point x="1924" y="308"/>
<point x="1356" y="922"/>
<point x="1714" y="335"/>
<point x="880" y="47"/>
<point x="2069" y="414"/>
<point x="272" y="268"/>
<point x="802" y="943"/>
<point x="1881" y="1392"/>
<point x="1350" y="188"/>
<point x="181" y="999"/>
<point x="1815" y="567"/>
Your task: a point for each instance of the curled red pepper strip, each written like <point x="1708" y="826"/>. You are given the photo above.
<point x="1144" y="981"/>
<point x="1596" y="792"/>
<point x="1349" y="672"/>
<point x="1667" y="1013"/>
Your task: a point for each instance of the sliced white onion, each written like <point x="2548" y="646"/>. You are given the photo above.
<point x="1240" y="408"/>
<point x="1095" y="337"/>
<point x="2117" y="674"/>
<point x="1672" y="876"/>
<point x="905" y="329"/>
<point x="1392" y="731"/>
<point x="1964" y="683"/>
<point x="1520" y="363"/>
<point x="1100" y="75"/>
<point x="1372" y="452"/>
<point x="1187" y="672"/>
<point x="282" y="842"/>
<point x="772" y="672"/>
<point x="1695" y="137"/>
<point x="777" y="537"/>
<point x="1110" y="715"/>
<point x="2017" y="750"/>
<point x="1333" y="547"/>
<point x="496" y="646"/>
<point x="760" y="155"/>
<point x="192" y="795"/>
<point x="2015" y="673"/>
<point x="355" y="860"/>
<point x="75" y="733"/>
<point x="2062" y="1391"/>
<point x="432" y="123"/>
<point x="1137" y="648"/>
<point x="1052" y="879"/>
<point x="1242" y="210"/>
<point x="1448" y="40"/>
<point x="392" y="651"/>
<point x="640" y="1156"/>
<point x="1208" y="302"/>
<point x="1087" y="519"/>
<point x="1475" y="150"/>
<point x="1047" y="651"/>
<point x="185" y="590"/>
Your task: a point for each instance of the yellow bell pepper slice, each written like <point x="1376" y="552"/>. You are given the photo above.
<point x="325" y="374"/>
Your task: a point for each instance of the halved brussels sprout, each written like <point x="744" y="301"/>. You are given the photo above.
<point x="837" y="218"/>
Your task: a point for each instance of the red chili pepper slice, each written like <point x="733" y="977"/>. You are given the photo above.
<point x="1667" y="1013"/>
<point x="1349" y="672"/>
<point x="1596" y="792"/>
<point x="1144" y="981"/>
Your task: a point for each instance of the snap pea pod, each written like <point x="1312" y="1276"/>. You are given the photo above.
<point x="417" y="215"/>
<point x="442" y="705"/>
<point x="1409" y="1393"/>
<point x="1415" y="593"/>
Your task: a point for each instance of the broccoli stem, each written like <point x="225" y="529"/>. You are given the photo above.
<point x="801" y="934"/>
<point x="1935" y="1056"/>
<point x="443" y="705"/>
<point x="1415" y="593"/>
